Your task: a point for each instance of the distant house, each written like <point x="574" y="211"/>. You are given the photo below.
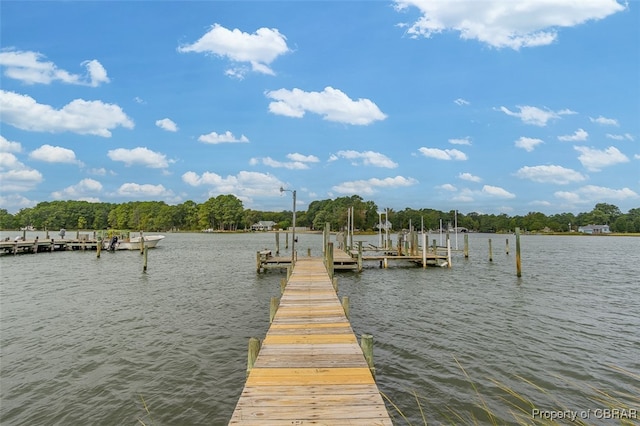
<point x="263" y="225"/>
<point x="594" y="229"/>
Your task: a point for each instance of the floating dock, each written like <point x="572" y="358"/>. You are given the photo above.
<point x="310" y="368"/>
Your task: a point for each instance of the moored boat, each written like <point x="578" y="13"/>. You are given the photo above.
<point x="131" y="242"/>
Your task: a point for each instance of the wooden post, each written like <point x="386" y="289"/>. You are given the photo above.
<point x="518" y="264"/>
<point x="273" y="308"/>
<point x="144" y="262"/>
<point x="414" y="243"/>
<point x="435" y="247"/>
<point x="325" y="239"/>
<point x="277" y="243"/>
<point x="309" y="252"/>
<point x="141" y="244"/>
<point x="466" y="245"/>
<point x="24" y="235"/>
<point x="448" y="251"/>
<point x="46" y="235"/>
<point x="345" y="305"/>
<point x="359" y="256"/>
<point x="330" y="259"/>
<point x="490" y="251"/>
<point x="399" y="244"/>
<point x="286" y="240"/>
<point x="334" y="281"/>
<point x="424" y="250"/>
<point x="254" y="349"/>
<point x="98" y="247"/>
<point x="258" y="263"/>
<point x="507" y="246"/>
<point x="366" y="343"/>
<point x="385" y="263"/>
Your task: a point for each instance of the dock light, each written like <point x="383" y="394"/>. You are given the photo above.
<point x="293" y="232"/>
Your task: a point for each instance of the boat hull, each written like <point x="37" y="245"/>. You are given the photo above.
<point x="150" y="241"/>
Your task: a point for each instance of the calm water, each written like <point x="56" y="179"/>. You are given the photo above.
<point x="85" y="340"/>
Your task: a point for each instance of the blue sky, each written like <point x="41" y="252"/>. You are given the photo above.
<point x="486" y="106"/>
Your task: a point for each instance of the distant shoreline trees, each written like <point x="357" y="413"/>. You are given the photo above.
<point x="226" y="213"/>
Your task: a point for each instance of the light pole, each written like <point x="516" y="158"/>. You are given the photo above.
<point x="293" y="233"/>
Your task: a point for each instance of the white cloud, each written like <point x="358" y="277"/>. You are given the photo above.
<point x="626" y="136"/>
<point x="496" y="191"/>
<point x="464" y="196"/>
<point x="167" y="124"/>
<point x="15" y="176"/>
<point x="31" y="68"/>
<point x="579" y="135"/>
<point x="448" y="187"/>
<point x="226" y="137"/>
<point x="443" y="154"/>
<point x="78" y="116"/>
<point x="535" y="116"/>
<point x="9" y="146"/>
<point x="298" y="161"/>
<point x="244" y="185"/>
<point x="303" y="158"/>
<point x="143" y="190"/>
<point x="498" y="23"/>
<point x="461" y="141"/>
<point x="371" y="186"/>
<point x="139" y="155"/>
<point x="98" y="172"/>
<point x="461" y="102"/>
<point x="368" y="158"/>
<point x="291" y="165"/>
<point x="604" y="121"/>
<point x="591" y="193"/>
<point x="550" y="174"/>
<point x="83" y="190"/>
<point x="595" y="159"/>
<point x="469" y="177"/>
<point x="528" y="144"/>
<point x="15" y="202"/>
<point x="54" y="154"/>
<point x="332" y="104"/>
<point x="259" y="49"/>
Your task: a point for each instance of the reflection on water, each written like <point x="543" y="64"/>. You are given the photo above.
<point x="84" y="339"/>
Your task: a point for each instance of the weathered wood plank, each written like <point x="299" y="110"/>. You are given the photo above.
<point x="310" y="369"/>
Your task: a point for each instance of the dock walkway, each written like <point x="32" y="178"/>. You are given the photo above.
<point x="310" y="368"/>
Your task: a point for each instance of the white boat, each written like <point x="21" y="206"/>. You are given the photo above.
<point x="132" y="242"/>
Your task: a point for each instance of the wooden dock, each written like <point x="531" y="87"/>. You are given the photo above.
<point x="310" y="368"/>
<point x="37" y="245"/>
<point x="353" y="260"/>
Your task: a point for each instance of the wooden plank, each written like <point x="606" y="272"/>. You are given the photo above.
<point x="310" y="369"/>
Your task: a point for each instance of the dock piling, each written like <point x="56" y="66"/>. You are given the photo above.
<point x="490" y="251"/>
<point x="518" y="263"/>
<point x="144" y="261"/>
<point x="254" y="349"/>
<point x="273" y="308"/>
<point x="466" y="246"/>
<point x="345" y="306"/>
<point x="366" y="343"/>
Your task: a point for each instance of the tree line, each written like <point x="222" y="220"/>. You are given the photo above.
<point x="227" y="213"/>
